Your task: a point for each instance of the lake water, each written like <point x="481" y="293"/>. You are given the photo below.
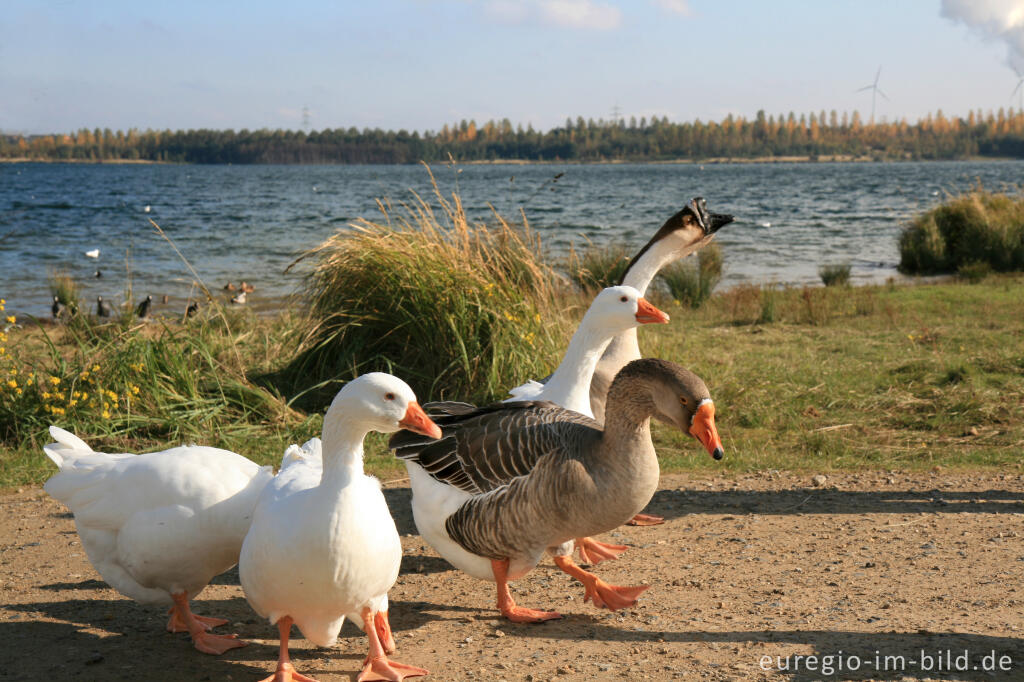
<point x="250" y="222"/>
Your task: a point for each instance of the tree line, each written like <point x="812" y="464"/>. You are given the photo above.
<point x="814" y="135"/>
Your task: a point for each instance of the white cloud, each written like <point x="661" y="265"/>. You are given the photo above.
<point x="681" y="7"/>
<point x="993" y="19"/>
<point x="581" y="14"/>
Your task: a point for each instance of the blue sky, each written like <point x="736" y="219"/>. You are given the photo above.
<point x="418" y="64"/>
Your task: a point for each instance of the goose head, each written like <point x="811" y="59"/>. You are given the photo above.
<point x="683" y="233"/>
<point x="383" y="403"/>
<point x="620" y="308"/>
<point x="680" y="398"/>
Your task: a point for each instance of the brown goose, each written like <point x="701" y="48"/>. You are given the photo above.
<point x="686" y="232"/>
<point x="509" y="481"/>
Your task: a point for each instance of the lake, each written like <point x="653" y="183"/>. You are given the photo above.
<point x="250" y="222"/>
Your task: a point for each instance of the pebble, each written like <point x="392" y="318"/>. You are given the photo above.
<point x="819" y="480"/>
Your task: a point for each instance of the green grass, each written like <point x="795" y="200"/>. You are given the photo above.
<point x="835" y="275"/>
<point x="966" y="231"/>
<point x="598" y="267"/>
<point x="691" y="281"/>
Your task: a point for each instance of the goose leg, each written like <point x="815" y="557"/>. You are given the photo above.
<point x="593" y="552"/>
<point x="646" y="520"/>
<point x="205" y="642"/>
<point x="387" y="640"/>
<point x="507" y="605"/>
<point x="377" y="666"/>
<point x="285" y="672"/>
<point x="611" y="597"/>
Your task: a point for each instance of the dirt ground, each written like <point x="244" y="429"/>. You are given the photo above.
<point x="901" y="575"/>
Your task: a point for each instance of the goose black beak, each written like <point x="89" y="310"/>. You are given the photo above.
<point x="704" y="430"/>
<point x="709" y="222"/>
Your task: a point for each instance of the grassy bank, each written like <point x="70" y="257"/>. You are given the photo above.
<point x="890" y="377"/>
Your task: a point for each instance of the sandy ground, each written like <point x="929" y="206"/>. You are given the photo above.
<point x="897" y="574"/>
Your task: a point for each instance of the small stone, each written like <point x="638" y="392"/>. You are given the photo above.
<point x="819" y="480"/>
<point x="973" y="431"/>
<point x="499" y="633"/>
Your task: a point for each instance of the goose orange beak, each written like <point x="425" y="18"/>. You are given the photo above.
<point x="704" y="430"/>
<point x="416" y="420"/>
<point x="648" y="314"/>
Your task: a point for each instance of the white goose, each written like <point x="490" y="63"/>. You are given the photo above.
<point x="323" y="545"/>
<point x="683" y="234"/>
<point x="509" y="481"/>
<point x="159" y="526"/>
<point x="613" y="311"/>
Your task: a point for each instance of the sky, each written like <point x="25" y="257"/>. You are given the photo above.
<point x="421" y="64"/>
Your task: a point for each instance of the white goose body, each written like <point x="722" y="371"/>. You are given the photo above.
<point x="159" y="525"/>
<point x="322" y="545"/>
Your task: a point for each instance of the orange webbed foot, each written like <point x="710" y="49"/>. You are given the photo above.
<point x="594" y="552"/>
<point x="176" y="624"/>
<point x="380" y="668"/>
<point x="519" y="614"/>
<point x="646" y="520"/>
<point x="286" y="672"/>
<point x="612" y="597"/>
<point x="215" y="644"/>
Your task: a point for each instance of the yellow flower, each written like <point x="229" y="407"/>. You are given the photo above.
<point x="135" y="389"/>
<point x="138" y="366"/>
<point x="112" y="396"/>
<point x="3" y="351"/>
<point x="95" y="368"/>
<point x="536" y="317"/>
<point x="55" y="381"/>
<point x="106" y="414"/>
<point x="11" y="319"/>
<point x="12" y="383"/>
<point x="56" y="410"/>
<point x="72" y="402"/>
<point x="46" y="395"/>
<point x="17" y="391"/>
<point x="85" y="395"/>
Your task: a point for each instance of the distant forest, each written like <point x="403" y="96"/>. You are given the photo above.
<point x="817" y="136"/>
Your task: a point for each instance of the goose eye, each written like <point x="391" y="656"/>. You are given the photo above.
<point x="624" y="299"/>
<point x="389" y="396"/>
<point x="684" y="401"/>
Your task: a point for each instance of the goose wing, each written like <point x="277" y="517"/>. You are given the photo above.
<point x="483" y="448"/>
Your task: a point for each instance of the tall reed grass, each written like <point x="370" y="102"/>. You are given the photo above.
<point x="598" y="267"/>
<point x="835" y="275"/>
<point x="691" y="283"/>
<point x="458" y="309"/>
<point x="975" y="227"/>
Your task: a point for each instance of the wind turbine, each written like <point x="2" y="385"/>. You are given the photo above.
<point x="875" y="91"/>
<point x="1020" y="81"/>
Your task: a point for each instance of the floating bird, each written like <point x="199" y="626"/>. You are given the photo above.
<point x="97" y="274"/>
<point x="95" y="253"/>
<point x="192" y="309"/>
<point x="766" y="224"/>
<point x="323" y="546"/>
<point x="147" y="208"/>
<point x="509" y="481"/>
<point x="238" y="298"/>
<point x="246" y="287"/>
<point x="58" y="309"/>
<point x="157" y="527"/>
<point x="229" y="287"/>
<point x="103" y="308"/>
<point x="142" y="311"/>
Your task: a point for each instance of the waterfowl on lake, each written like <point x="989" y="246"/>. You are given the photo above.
<point x="142" y="310"/>
<point x="192" y="309"/>
<point x="103" y="308"/>
<point x="157" y="527"/>
<point x="246" y="287"/>
<point x="239" y="298"/>
<point x="94" y="253"/>
<point x="58" y="309"/>
<point x="509" y="481"/>
<point x="323" y="545"/>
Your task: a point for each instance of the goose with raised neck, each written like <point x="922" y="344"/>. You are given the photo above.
<point x="509" y="481"/>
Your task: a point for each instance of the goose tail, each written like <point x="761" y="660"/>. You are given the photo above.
<point x="66" y="445"/>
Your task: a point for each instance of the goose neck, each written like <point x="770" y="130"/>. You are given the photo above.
<point x="342" y="450"/>
<point x="569" y="386"/>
